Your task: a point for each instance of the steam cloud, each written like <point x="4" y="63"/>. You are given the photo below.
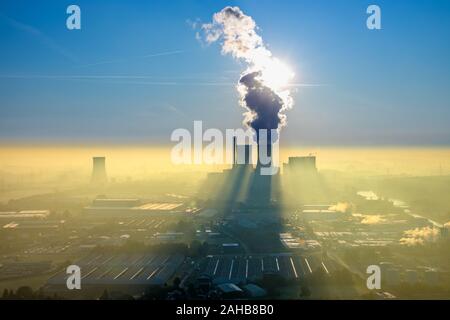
<point x="262" y="94"/>
<point x="343" y="207"/>
<point x="419" y="236"/>
<point x="370" y="218"/>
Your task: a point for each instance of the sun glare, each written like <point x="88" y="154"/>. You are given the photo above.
<point x="276" y="74"/>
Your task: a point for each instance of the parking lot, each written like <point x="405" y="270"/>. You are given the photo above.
<point x="237" y="269"/>
<point x="124" y="269"/>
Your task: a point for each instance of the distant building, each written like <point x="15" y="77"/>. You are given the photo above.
<point x="133" y="207"/>
<point x="321" y="212"/>
<point x="115" y="203"/>
<point x="26" y="219"/>
<point x="25" y="214"/>
<point x="99" y="170"/>
<point x="121" y="272"/>
<point x="300" y="165"/>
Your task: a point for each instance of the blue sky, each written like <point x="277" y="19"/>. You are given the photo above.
<point x="135" y="71"/>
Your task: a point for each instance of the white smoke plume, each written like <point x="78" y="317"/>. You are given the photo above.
<point x="263" y="85"/>
<point x="419" y="236"/>
<point x="343" y="207"/>
<point x="370" y="218"/>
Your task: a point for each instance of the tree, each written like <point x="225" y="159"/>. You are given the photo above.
<point x="304" y="290"/>
<point x="176" y="282"/>
<point x="5" y="294"/>
<point x="40" y="294"/>
<point x="24" y="292"/>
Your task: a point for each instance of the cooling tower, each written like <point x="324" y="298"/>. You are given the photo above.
<point x="243" y="154"/>
<point x="264" y="151"/>
<point x="98" y="170"/>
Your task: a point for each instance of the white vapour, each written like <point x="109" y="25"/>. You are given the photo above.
<point x="370" y="218"/>
<point x="343" y="207"/>
<point x="419" y="236"/>
<point x="239" y="35"/>
<point x="263" y="85"/>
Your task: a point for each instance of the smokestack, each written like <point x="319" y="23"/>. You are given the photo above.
<point x="243" y="154"/>
<point x="267" y="154"/>
<point x="98" y="170"/>
<point x="248" y="154"/>
<point x="264" y="149"/>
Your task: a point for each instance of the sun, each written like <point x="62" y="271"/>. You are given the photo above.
<point x="275" y="74"/>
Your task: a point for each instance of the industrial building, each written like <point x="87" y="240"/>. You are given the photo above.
<point x="26" y="219"/>
<point x="110" y="270"/>
<point x="133" y="207"/>
<point x="300" y="165"/>
<point x="244" y="184"/>
<point x="24" y="214"/>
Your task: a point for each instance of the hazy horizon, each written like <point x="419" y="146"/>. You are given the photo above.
<point x="145" y="160"/>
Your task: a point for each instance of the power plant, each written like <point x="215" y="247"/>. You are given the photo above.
<point x="244" y="183"/>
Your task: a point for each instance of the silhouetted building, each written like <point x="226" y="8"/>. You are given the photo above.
<point x="98" y="170"/>
<point x="133" y="207"/>
<point x="263" y="186"/>
<point x="115" y="203"/>
<point x="264" y="152"/>
<point x="244" y="184"/>
<point x="243" y="155"/>
<point x="300" y="165"/>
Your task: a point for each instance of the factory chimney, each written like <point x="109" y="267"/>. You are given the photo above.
<point x="264" y="148"/>
<point x="98" y="170"/>
<point x="243" y="155"/>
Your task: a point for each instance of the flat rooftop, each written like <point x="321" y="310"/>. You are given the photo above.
<point x="24" y="214"/>
<point x="124" y="269"/>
